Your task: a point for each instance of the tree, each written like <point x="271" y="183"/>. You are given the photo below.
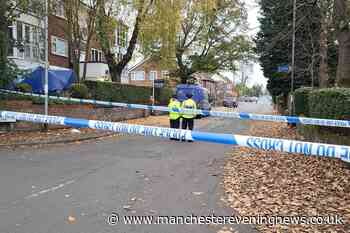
<point x="342" y="18"/>
<point x="106" y="25"/>
<point x="90" y="22"/>
<point x="325" y="7"/>
<point x="274" y="44"/>
<point x="199" y="36"/>
<point x="73" y="11"/>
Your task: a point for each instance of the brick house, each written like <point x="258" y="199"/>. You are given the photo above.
<point x="149" y="69"/>
<point x="28" y="31"/>
<point x="217" y="85"/>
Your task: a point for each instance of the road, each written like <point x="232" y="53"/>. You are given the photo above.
<point x="74" y="188"/>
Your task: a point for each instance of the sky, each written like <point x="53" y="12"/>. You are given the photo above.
<point x="253" y="14"/>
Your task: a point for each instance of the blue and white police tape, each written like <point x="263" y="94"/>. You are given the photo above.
<point x="235" y="115"/>
<point x="273" y="144"/>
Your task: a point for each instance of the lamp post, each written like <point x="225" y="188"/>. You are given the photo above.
<point x="46" y="82"/>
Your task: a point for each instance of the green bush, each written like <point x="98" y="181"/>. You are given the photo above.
<point x="24" y="87"/>
<point x="330" y="103"/>
<point x="124" y="93"/>
<point x="163" y="95"/>
<point x="301" y="97"/>
<point x="79" y="90"/>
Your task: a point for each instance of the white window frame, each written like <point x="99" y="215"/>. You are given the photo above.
<point x="35" y="44"/>
<point x="55" y="39"/>
<point x="99" y="53"/>
<point x="139" y="77"/>
<point x="133" y="76"/>
<point x="152" y="75"/>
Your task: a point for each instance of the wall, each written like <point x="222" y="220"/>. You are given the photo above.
<point x="57" y="27"/>
<point x="95" y="71"/>
<point x="147" y="67"/>
<point x="72" y="110"/>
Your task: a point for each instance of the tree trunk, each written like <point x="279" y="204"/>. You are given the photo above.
<point x="87" y="59"/>
<point x="183" y="70"/>
<point x="114" y="70"/>
<point x="323" y="73"/>
<point x="3" y="37"/>
<point x="343" y="69"/>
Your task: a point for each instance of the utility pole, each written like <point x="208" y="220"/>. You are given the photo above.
<point x="46" y="83"/>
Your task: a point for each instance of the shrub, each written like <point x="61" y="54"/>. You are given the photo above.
<point x="125" y="93"/>
<point x="24" y="87"/>
<point x="163" y="95"/>
<point x="330" y="103"/>
<point x="301" y="97"/>
<point x="79" y="90"/>
<point x="116" y="92"/>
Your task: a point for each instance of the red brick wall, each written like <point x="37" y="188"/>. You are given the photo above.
<point x="57" y="27"/>
<point x="84" y="111"/>
<point x="147" y="67"/>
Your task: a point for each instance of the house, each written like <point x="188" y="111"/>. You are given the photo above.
<point x="146" y="71"/>
<point x="206" y="81"/>
<point x="28" y="49"/>
<point x="217" y="84"/>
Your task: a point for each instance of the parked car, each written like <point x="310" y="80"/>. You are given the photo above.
<point x="230" y="102"/>
<point x="200" y="95"/>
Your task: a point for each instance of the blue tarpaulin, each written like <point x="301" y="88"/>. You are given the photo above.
<point x="59" y="80"/>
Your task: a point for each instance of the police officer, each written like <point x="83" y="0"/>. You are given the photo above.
<point x="188" y="116"/>
<point x="174" y="112"/>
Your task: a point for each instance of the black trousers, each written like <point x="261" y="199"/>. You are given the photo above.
<point x="188" y="123"/>
<point x="175" y="124"/>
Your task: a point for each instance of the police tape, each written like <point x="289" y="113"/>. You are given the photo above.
<point x="234" y="115"/>
<point x="267" y="144"/>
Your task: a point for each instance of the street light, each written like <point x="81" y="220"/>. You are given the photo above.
<point x="46" y="82"/>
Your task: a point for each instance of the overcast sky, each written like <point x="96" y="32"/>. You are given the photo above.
<point x="253" y="13"/>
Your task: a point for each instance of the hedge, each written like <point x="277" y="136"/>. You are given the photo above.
<point x="117" y="92"/>
<point x="330" y="103"/>
<point x="301" y="102"/>
<point x="79" y="90"/>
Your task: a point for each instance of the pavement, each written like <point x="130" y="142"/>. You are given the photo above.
<point x="74" y="188"/>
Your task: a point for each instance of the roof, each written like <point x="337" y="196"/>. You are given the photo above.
<point x="204" y="76"/>
<point x="137" y="65"/>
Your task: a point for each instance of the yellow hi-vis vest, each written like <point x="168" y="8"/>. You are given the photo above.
<point x="188" y="106"/>
<point x="174" y="107"/>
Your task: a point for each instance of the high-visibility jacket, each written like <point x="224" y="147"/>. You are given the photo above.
<point x="174" y="107"/>
<point x="187" y="106"/>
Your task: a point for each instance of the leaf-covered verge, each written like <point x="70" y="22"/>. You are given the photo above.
<point x="280" y="184"/>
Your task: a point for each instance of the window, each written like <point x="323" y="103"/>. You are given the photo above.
<point x="100" y="56"/>
<point x="19" y="31"/>
<point x="27" y="42"/>
<point x="152" y="75"/>
<point x="10" y="48"/>
<point x="58" y="8"/>
<point x="27" y="53"/>
<point x="27" y="33"/>
<point x="36" y="53"/>
<point x="59" y="46"/>
<point x="140" y="75"/>
<point x="96" y="55"/>
<point x="133" y="76"/>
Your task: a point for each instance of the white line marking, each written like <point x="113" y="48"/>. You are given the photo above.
<point x="49" y="189"/>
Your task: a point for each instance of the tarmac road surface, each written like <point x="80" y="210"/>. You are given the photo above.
<point x="74" y="188"/>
